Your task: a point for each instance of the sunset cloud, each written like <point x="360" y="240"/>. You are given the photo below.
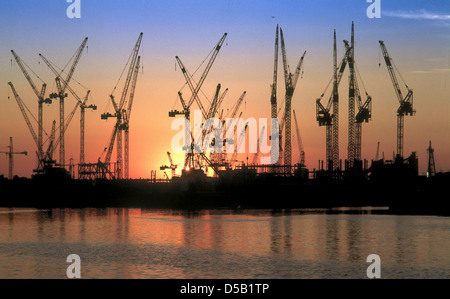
<point x="417" y="15"/>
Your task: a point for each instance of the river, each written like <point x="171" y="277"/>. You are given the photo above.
<point x="221" y="244"/>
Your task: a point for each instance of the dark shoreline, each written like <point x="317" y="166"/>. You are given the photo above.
<point x="421" y="197"/>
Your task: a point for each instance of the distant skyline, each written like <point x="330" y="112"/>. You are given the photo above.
<point x="416" y="34"/>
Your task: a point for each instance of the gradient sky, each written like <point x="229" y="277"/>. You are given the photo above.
<point x="416" y="33"/>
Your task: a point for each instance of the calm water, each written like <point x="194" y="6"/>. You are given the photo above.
<point x="134" y="243"/>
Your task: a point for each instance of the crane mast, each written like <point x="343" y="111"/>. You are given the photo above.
<point x="11" y="154"/>
<point x="378" y="151"/>
<point x="406" y="103"/>
<point x="62" y="95"/>
<point x="122" y="116"/>
<point x="273" y="97"/>
<point x="431" y="169"/>
<point x="131" y="70"/>
<point x="110" y="147"/>
<point x="213" y="106"/>
<point x="172" y="166"/>
<point x="301" y="151"/>
<point x="83" y="107"/>
<point x="256" y="155"/>
<point x="324" y="115"/>
<point x="80" y="103"/>
<point x="127" y="120"/>
<point x="290" y="82"/>
<point x="238" y="145"/>
<point x="221" y="98"/>
<point x="238" y="104"/>
<point x="351" y="102"/>
<point x="50" y="149"/>
<point x="363" y="114"/>
<point x="209" y="122"/>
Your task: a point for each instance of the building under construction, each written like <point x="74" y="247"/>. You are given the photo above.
<point x="219" y="175"/>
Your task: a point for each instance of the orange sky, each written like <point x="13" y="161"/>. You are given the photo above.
<point x="419" y="47"/>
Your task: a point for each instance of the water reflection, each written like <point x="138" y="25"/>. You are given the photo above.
<point x="332" y="238"/>
<point x="354" y="239"/>
<point x="280" y="233"/>
<point x="134" y="242"/>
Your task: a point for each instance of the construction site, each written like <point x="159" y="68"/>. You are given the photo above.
<point x="219" y="179"/>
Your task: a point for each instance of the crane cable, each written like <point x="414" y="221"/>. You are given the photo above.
<point x="123" y="71"/>
<point x="360" y="78"/>
<point x="192" y="76"/>
<point x="23" y="62"/>
<point x="62" y="71"/>
<point x="401" y="77"/>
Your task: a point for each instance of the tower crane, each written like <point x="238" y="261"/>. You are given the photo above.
<point x="185" y="110"/>
<point x="41" y="99"/>
<point x="301" y="151"/>
<point x="431" y="169"/>
<point x="237" y="105"/>
<point x="234" y="111"/>
<point x="121" y="114"/>
<point x="50" y="149"/>
<point x="62" y="95"/>
<point x="190" y="157"/>
<point x="219" y="158"/>
<point x="240" y="140"/>
<point x="281" y="124"/>
<point x="335" y="116"/>
<point x="172" y="166"/>
<point x="364" y="113"/>
<point x="11" y="154"/>
<point x="213" y="106"/>
<point x="209" y="124"/>
<point x="291" y="83"/>
<point x="324" y="115"/>
<point x="219" y="102"/>
<point x="273" y="96"/>
<point x="352" y="95"/>
<point x="406" y="103"/>
<point x="126" y="122"/>
<point x="30" y="127"/>
<point x="195" y="90"/>
<point x="378" y="151"/>
<point x="256" y="155"/>
<point x="80" y="103"/>
<point x="83" y="108"/>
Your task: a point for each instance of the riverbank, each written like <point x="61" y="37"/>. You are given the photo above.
<point x="425" y="197"/>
